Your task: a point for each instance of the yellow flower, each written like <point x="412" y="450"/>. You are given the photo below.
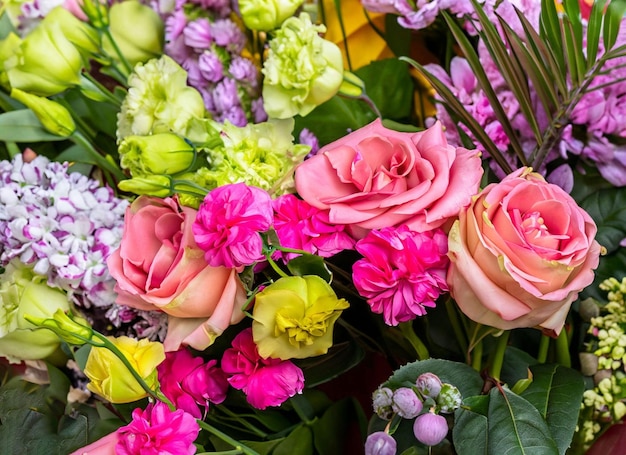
<point x="294" y="318"/>
<point x="111" y="379"/>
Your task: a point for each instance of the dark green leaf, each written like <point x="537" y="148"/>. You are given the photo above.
<point x="613" y="265"/>
<point x="594" y="29"/>
<point x="24" y="126"/>
<point x="340" y="358"/>
<point x="299" y="441"/>
<point x="309" y="264"/>
<point x="515" y="426"/>
<point x="330" y="429"/>
<point x="557" y="392"/>
<point x="607" y="207"/>
<point x="263" y="447"/>
<point x="612" y="22"/>
<point x="471" y="431"/>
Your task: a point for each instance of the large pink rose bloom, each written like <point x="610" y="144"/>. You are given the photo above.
<point x="521" y="253"/>
<point x="158" y="266"/>
<point x="376" y="177"/>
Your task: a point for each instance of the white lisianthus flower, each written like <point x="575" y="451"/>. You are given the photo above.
<point x="302" y="69"/>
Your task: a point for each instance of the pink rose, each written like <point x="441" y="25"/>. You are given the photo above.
<point x="376" y="177"/>
<point x="521" y="253"/>
<point x="158" y="266"/>
<point x="103" y="446"/>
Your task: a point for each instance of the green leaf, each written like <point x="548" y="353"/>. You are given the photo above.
<point x="471" y="431"/>
<point x="24" y="126"/>
<point x="263" y="447"/>
<point x="330" y="429"/>
<point x="550" y="30"/>
<point x="464" y="377"/>
<point x="612" y="21"/>
<point x="309" y="264"/>
<point x="515" y="426"/>
<point x="557" y="392"/>
<point x="340" y="358"/>
<point x="299" y="441"/>
<point x="607" y="207"/>
<point x="594" y="29"/>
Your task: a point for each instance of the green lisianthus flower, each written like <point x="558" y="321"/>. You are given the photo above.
<point x="163" y="153"/>
<point x="302" y="70"/>
<point x="266" y="15"/>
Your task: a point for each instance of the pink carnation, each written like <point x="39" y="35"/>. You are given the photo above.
<point x="301" y="226"/>
<point x="266" y="382"/>
<point x="402" y="271"/>
<point x="157" y="430"/>
<point x="188" y="381"/>
<point x="228" y="224"/>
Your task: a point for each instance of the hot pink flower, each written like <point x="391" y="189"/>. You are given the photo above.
<point x="301" y="226"/>
<point x="157" y="430"/>
<point x="188" y="381"/>
<point x="228" y="224"/>
<point x="402" y="272"/>
<point x="266" y="382"/>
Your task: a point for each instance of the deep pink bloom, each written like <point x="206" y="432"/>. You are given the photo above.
<point x="402" y="271"/>
<point x="228" y="224"/>
<point x="158" y="431"/>
<point x="266" y="382"/>
<point x="301" y="226"/>
<point x="189" y="382"/>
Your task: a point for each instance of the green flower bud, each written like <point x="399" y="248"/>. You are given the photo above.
<point x="23" y="292"/>
<point x="267" y="15"/>
<point x="137" y="30"/>
<point x="449" y="398"/>
<point x="67" y="326"/>
<point x="8" y="47"/>
<point x="53" y="116"/>
<point x="156" y="154"/>
<point x="50" y="58"/>
<point x="152" y="185"/>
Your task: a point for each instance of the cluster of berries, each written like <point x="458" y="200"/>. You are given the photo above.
<point x="425" y="402"/>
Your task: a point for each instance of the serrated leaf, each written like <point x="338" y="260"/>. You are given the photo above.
<point x="556" y="392"/>
<point x="471" y="431"/>
<point x="310" y="264"/>
<point x="24" y="126"/>
<point x="515" y="426"/>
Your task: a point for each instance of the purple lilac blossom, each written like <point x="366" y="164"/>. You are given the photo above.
<point x="202" y="38"/>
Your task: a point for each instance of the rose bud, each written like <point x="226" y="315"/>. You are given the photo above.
<point x="429" y="385"/>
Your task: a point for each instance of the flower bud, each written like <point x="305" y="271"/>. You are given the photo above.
<point x="430" y="429"/>
<point x="449" y="398"/>
<point x="429" y="385"/>
<point x="69" y="328"/>
<point x="159" y="154"/>
<point x="267" y="15"/>
<point x="8" y="46"/>
<point x="137" y="31"/>
<point x="54" y="117"/>
<point x="380" y="443"/>
<point x="382" y="401"/>
<point x="406" y="403"/>
<point x="152" y="185"/>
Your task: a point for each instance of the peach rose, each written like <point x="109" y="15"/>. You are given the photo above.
<point x="158" y="266"/>
<point x="103" y="446"/>
<point x="521" y="253"/>
<point x="376" y="177"/>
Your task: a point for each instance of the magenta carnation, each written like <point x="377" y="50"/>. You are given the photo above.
<point x="266" y="382"/>
<point x="158" y="431"/>
<point x="402" y="272"/>
<point x="228" y="224"/>
<point x="301" y="226"/>
<point x="189" y="382"/>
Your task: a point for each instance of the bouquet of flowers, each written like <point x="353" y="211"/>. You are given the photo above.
<point x="283" y="227"/>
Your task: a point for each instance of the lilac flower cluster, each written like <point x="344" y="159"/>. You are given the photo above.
<point x="65" y="225"/>
<point x="202" y="38"/>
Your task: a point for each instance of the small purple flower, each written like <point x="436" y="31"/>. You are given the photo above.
<point x="428" y="384"/>
<point x="406" y="403"/>
<point x="430" y="429"/>
<point x="211" y="66"/>
<point x="227" y="34"/>
<point x="382" y="399"/>
<point x="380" y="443"/>
<point x="242" y="69"/>
<point x="198" y="34"/>
<point x="308" y="138"/>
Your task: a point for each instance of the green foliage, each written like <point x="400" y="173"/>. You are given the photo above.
<point x="24" y="126"/>
<point x="309" y="264"/>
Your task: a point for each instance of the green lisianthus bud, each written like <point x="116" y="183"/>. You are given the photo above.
<point x="53" y="116"/>
<point x="159" y="154"/>
<point x="137" y="30"/>
<point x="8" y="47"/>
<point x="51" y="57"/>
<point x="302" y="69"/>
<point x="266" y="15"/>
<point x="152" y="185"/>
<point x="23" y="292"/>
<point x="65" y="325"/>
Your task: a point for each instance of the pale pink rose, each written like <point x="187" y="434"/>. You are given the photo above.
<point x="158" y="266"/>
<point x="521" y="253"/>
<point x="229" y="222"/>
<point x="265" y="382"/>
<point x="103" y="446"/>
<point x="376" y="177"/>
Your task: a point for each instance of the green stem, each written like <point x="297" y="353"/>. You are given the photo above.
<point x="477" y="356"/>
<point x="562" y="349"/>
<point x="453" y="317"/>
<point x="420" y="348"/>
<point x="274" y="266"/>
<point x="224" y="437"/>
<point x="98" y="159"/>
<point x="127" y="68"/>
<point x="102" y="90"/>
<point x="498" y="358"/>
<point x="242" y="422"/>
<point x="544" y="345"/>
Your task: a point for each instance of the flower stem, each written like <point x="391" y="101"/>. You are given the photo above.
<point x="477" y="356"/>
<point x="562" y="349"/>
<point x="274" y="266"/>
<point x="453" y="317"/>
<point x="544" y="345"/>
<point x="224" y="437"/>
<point x="420" y="348"/>
<point x="498" y="358"/>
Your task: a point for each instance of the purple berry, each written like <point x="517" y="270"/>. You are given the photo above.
<point x="380" y="443"/>
<point x="406" y="403"/>
<point x="430" y="429"/>
<point x="429" y="385"/>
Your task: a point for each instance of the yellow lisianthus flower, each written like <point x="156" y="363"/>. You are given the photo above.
<point x="294" y="317"/>
<point x="111" y="379"/>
